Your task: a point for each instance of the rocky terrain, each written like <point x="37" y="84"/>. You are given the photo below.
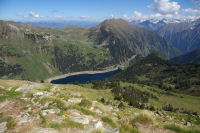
<point x="48" y="108"/>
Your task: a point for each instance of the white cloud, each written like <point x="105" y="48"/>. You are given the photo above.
<point x="33" y="14"/>
<point x="189" y="10"/>
<point x="125" y="16"/>
<point x="137" y="14"/>
<point x="25" y="16"/>
<point x="165" y="7"/>
<point x="57" y="17"/>
<point x="84" y="17"/>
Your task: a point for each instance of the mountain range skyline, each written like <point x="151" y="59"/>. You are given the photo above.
<point x="97" y="11"/>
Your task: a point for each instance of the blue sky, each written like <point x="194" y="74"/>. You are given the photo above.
<point x="96" y="10"/>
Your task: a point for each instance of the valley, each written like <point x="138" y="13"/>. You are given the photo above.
<point x="114" y="76"/>
<point x="41" y="53"/>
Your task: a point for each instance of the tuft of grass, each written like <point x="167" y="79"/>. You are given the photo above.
<point x="11" y="123"/>
<point x="109" y="121"/>
<point x="67" y="123"/>
<point x="45" y="89"/>
<point x="12" y="94"/>
<point x="144" y="118"/>
<point x="59" y="103"/>
<point x="43" y="119"/>
<point x="71" y="124"/>
<point x="1" y="115"/>
<point x="97" y="131"/>
<point x="85" y="103"/>
<point x="83" y="110"/>
<point x="179" y="129"/>
<point x="55" y="125"/>
<point x="30" y="94"/>
<point x="126" y="128"/>
<point x="86" y="112"/>
<point x="30" y="112"/>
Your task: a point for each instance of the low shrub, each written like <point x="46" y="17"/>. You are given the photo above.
<point x="85" y="103"/>
<point x="121" y="105"/>
<point x="102" y="100"/>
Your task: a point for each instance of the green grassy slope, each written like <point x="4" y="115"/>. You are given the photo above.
<point x="44" y="52"/>
<point x="155" y="71"/>
<point x="40" y="53"/>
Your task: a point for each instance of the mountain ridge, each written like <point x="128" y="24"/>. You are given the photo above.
<point x="47" y="52"/>
<point x="191" y="57"/>
<point x="183" y="35"/>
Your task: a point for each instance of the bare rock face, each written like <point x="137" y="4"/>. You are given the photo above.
<point x="81" y="119"/>
<point x="24" y="118"/>
<point x="3" y="127"/>
<point x="47" y="130"/>
<point x="99" y="127"/>
<point x="75" y="100"/>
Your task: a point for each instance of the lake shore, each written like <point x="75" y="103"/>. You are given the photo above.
<point x="82" y="72"/>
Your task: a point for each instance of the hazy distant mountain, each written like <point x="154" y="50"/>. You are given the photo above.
<point x="61" y="24"/>
<point x="153" y="24"/>
<point x="184" y="35"/>
<point x="192" y="57"/>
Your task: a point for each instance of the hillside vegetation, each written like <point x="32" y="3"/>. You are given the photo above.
<point x="191" y="57"/>
<point x="153" y="70"/>
<point x="33" y="53"/>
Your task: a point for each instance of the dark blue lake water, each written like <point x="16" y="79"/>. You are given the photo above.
<point x="84" y="78"/>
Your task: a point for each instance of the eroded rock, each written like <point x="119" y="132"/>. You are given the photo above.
<point x="24" y="118"/>
<point x="81" y="119"/>
<point x="3" y="127"/>
<point x="75" y="100"/>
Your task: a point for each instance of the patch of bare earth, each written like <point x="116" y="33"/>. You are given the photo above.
<point x="149" y="128"/>
<point x="10" y="108"/>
